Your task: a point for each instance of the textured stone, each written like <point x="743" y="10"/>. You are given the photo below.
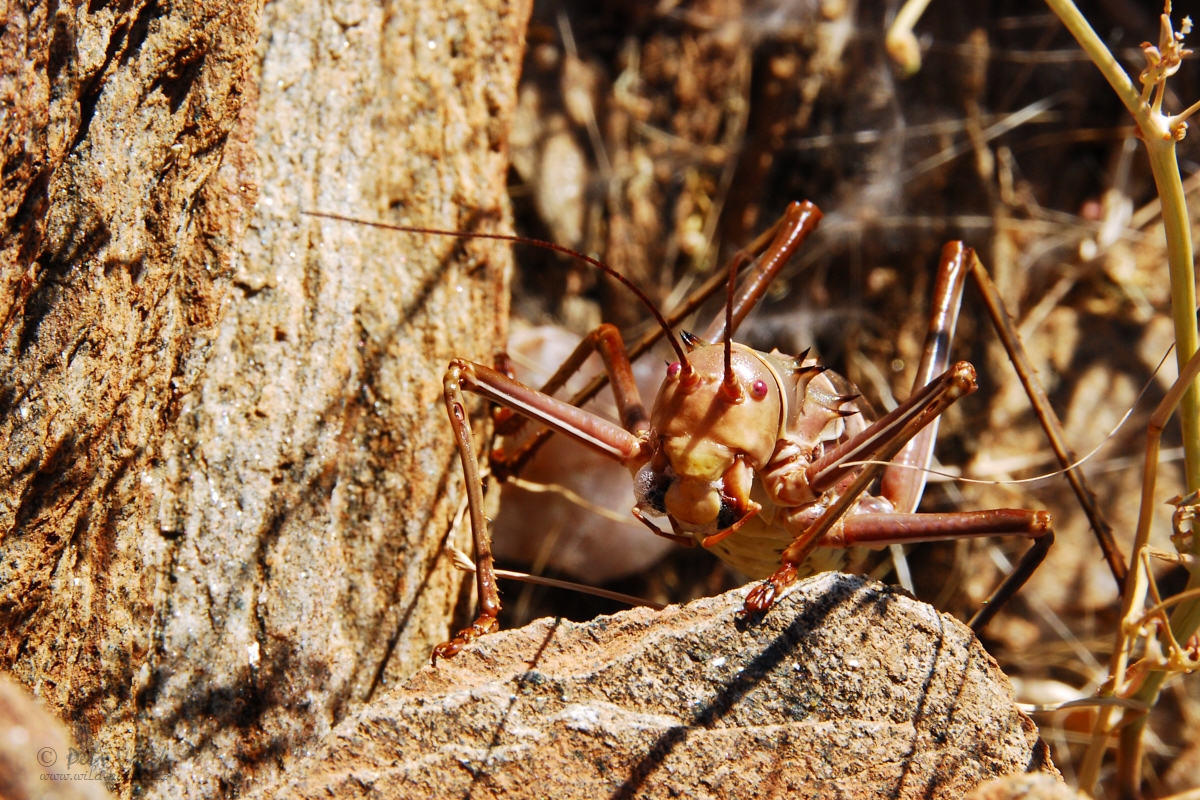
<point x="226" y="476"/>
<point x="847" y="688"/>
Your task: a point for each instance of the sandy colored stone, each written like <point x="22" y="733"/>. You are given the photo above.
<point x="848" y="688"/>
<point x="225" y="471"/>
<point x="1026" y="787"/>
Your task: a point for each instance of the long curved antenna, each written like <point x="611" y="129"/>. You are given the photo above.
<point x="730" y="387"/>
<point x="772" y="248"/>
<point x="504" y="237"/>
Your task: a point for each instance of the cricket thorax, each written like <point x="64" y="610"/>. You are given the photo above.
<point x="824" y="411"/>
<point x="707" y="446"/>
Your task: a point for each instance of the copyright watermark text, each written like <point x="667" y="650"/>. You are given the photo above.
<point x="78" y="766"/>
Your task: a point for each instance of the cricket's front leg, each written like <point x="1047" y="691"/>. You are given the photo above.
<point x="596" y="432"/>
<point x="485" y="570"/>
<point x="605" y="340"/>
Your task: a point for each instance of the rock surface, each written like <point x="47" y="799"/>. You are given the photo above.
<point x="847" y="688"/>
<point x="226" y="475"/>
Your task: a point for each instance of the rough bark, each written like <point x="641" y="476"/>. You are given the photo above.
<point x="226" y="476"/>
<point x="846" y="689"/>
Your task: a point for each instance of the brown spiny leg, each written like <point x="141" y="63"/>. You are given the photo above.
<point x="595" y="432"/>
<point x="837" y="472"/>
<point x="1012" y="584"/>
<point x="870" y="529"/>
<point x="768" y="253"/>
<point x="605" y="340"/>
<point x="772" y="249"/>
<point x="485" y="575"/>
<point x="903" y="483"/>
<point x="876" y="529"/>
<point x="903" y="486"/>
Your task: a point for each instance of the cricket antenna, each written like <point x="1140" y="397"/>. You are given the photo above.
<point x="730" y="388"/>
<point x="504" y="237"/>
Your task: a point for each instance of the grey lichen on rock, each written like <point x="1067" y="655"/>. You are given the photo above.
<point x="847" y="688"/>
<point x="226" y="475"/>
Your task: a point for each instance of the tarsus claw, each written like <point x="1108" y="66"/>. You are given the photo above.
<point x="762" y="597"/>
<point x="482" y="626"/>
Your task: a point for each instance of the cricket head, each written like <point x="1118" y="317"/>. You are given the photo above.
<point x="706" y="440"/>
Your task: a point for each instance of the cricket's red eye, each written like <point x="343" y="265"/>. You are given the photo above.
<point x="673" y="370"/>
<point x="759" y="389"/>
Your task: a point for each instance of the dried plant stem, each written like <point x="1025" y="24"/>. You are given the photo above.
<point x="1049" y="419"/>
<point x="901" y="42"/>
<point x="1159" y="132"/>
<point x="1186" y="618"/>
<point x="1183" y="291"/>
<point x="1135" y="590"/>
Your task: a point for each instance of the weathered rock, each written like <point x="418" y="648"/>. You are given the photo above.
<point x="226" y="475"/>
<point x="847" y="688"/>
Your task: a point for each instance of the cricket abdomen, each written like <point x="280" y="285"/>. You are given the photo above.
<point x="755" y="551"/>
